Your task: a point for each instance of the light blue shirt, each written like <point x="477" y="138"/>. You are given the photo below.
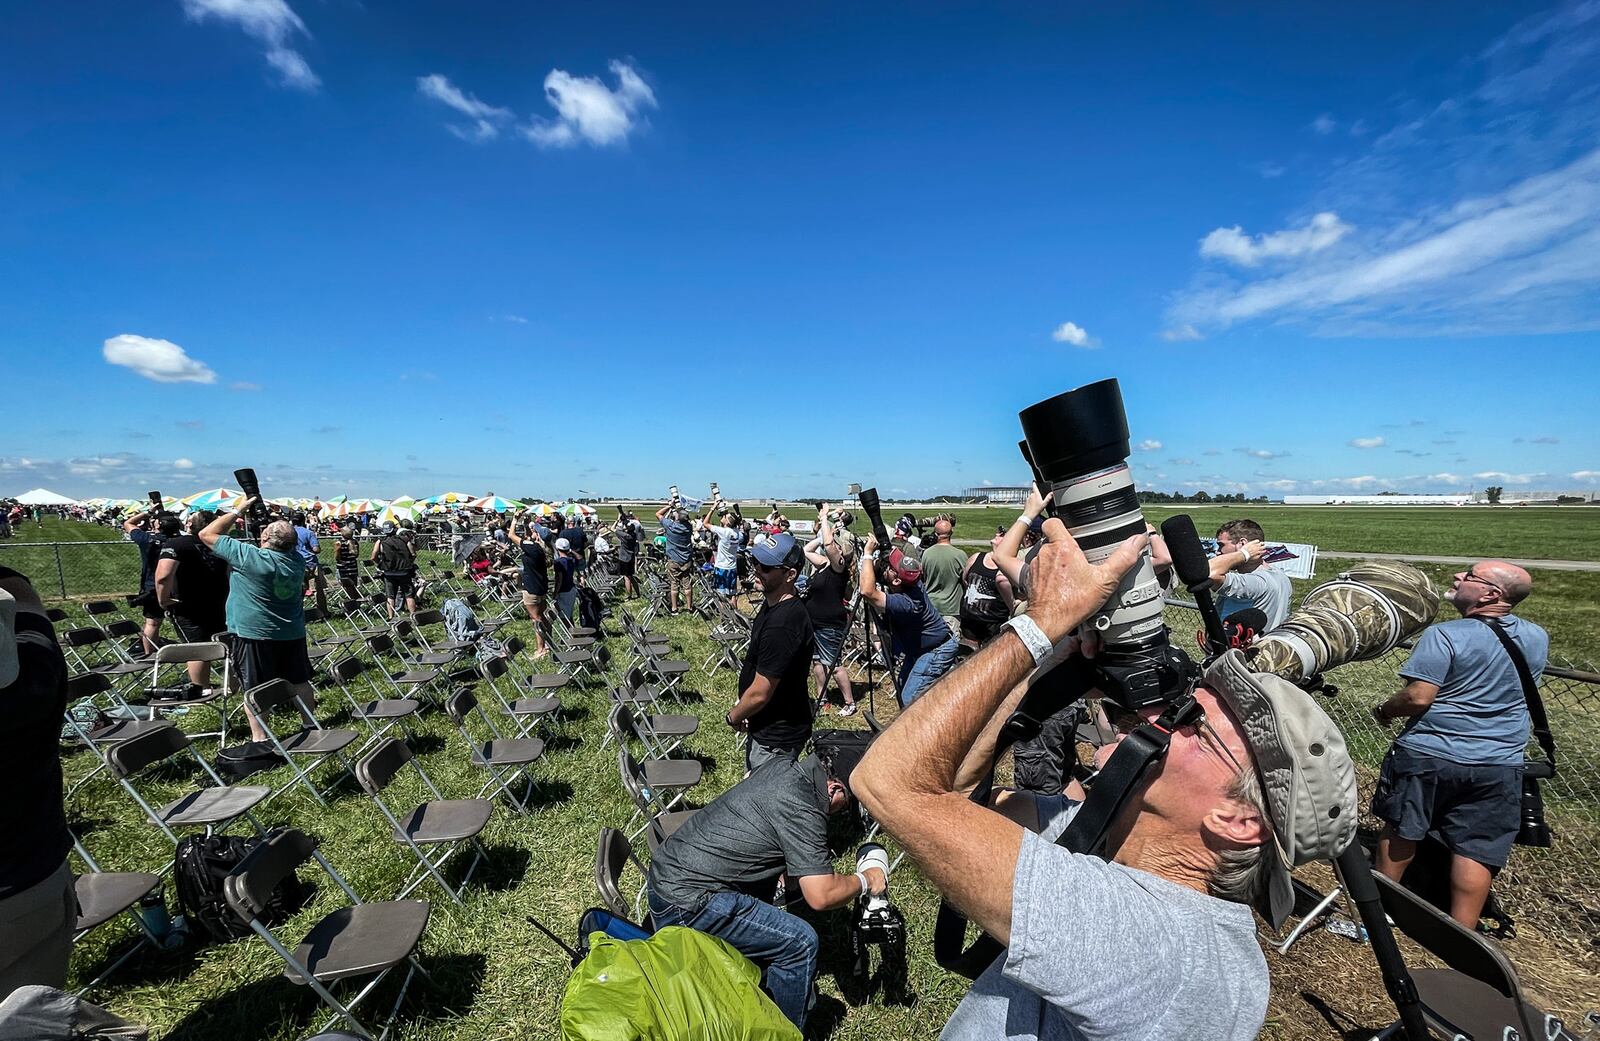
<point x="1266" y="588"/>
<point x="1480" y="715"/>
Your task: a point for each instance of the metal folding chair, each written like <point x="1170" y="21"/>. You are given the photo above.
<point x="442" y="823"/>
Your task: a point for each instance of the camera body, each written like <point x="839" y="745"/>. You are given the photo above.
<point x="878" y="924"/>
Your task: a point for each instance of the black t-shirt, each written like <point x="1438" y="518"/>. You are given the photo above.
<point x="576" y="537"/>
<point x="201" y="584"/>
<point x="780" y="649"/>
<point x="32" y="818"/>
<point x="149" y="544"/>
<point x="566" y="567"/>
<point x="534" y="578"/>
<point x="825" y="603"/>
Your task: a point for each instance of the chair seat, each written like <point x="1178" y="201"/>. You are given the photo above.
<point x="535" y="706"/>
<point x="417" y="676"/>
<point x="581" y="642"/>
<point x="361" y="940"/>
<point x="338" y="641"/>
<point x="579" y="657"/>
<point x="102" y="895"/>
<point x="212" y="805"/>
<point x="672" y="773"/>
<point x="665" y="824"/>
<point x="391" y="708"/>
<point x="121" y="668"/>
<point x="446" y="820"/>
<point x="674" y="726"/>
<point x="318" y="741"/>
<point x="1474" y="1008"/>
<point x="437" y="657"/>
<point x="123" y="729"/>
<point x="670" y="668"/>
<point x="507" y="751"/>
<point x="546" y="681"/>
<point x="583" y="630"/>
<point x="158" y="701"/>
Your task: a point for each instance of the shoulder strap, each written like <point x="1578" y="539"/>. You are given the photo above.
<point x="1530" y="691"/>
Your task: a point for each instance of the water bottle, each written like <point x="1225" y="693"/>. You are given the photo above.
<point x="152" y="911"/>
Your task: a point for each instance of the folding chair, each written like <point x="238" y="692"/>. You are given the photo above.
<point x="355" y="941"/>
<point x="104" y="895"/>
<point x="164" y="698"/>
<point x="122" y="723"/>
<point x="380" y="715"/>
<point x="1479" y="995"/>
<point x="656" y="785"/>
<point x="423" y="619"/>
<point x="668" y="675"/>
<point x="526" y="713"/>
<point x="407" y="681"/>
<point x="91" y="650"/>
<point x="312" y="742"/>
<point x="664" y="824"/>
<point x="447" y="823"/>
<point x="506" y="758"/>
<point x="212" y="808"/>
<point x="411" y="647"/>
<point x="612" y="857"/>
<point x="660" y="735"/>
<point x="541" y="682"/>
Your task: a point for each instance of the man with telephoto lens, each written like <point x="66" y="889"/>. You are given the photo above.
<point x="138" y="527"/>
<point x="1158" y="940"/>
<point x="629" y="534"/>
<point x="827" y="600"/>
<point x="774" y="704"/>
<point x="1456" y="768"/>
<point x="725" y="555"/>
<point x="922" y="638"/>
<point x="266" y="607"/>
<point x="680" y="556"/>
<point x="717" y="873"/>
<point x="1242" y="577"/>
<point x="192" y="588"/>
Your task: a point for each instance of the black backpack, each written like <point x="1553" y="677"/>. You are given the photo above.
<point x="393" y="560"/>
<point x="200" y="864"/>
<point x="591" y="610"/>
<point x="252" y="757"/>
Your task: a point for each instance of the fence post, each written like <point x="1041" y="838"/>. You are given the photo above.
<point x="61" y="574"/>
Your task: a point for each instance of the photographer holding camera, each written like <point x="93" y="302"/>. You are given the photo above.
<point x="1159" y="940"/>
<point x="680" y="555"/>
<point x="718" y="871"/>
<point x="1242" y="577"/>
<point x="139" y="529"/>
<point x="827" y="600"/>
<point x="266" y="607"/>
<point x="725" y="557"/>
<point x="923" y="639"/>
<point x="628" y="534"/>
<point x="1457" y="767"/>
<point x="192" y="588"/>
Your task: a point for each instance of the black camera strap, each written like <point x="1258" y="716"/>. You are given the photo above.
<point x="1530" y="692"/>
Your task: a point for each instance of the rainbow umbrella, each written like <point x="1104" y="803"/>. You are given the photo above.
<point x="543" y="509"/>
<point x="577" y="509"/>
<point x="213" y="499"/>
<point x="404" y="508"/>
<point x="494" y="504"/>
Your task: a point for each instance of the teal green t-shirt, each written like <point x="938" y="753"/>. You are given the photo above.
<point x="266" y="596"/>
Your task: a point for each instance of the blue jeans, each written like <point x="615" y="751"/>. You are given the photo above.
<point x="564" y="602"/>
<point x="918" y="674"/>
<point x="781" y="944"/>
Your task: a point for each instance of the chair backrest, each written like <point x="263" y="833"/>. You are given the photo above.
<point x="402" y="629"/>
<point x="265" y="698"/>
<point x="127" y="758"/>
<point x="634" y="679"/>
<point x="493" y="668"/>
<point x="628" y="769"/>
<point x="1435" y="931"/>
<point x="248" y="887"/>
<point x="602" y="657"/>
<point x="460" y="705"/>
<point x="83" y="637"/>
<point x="428" y="617"/>
<point x="55" y="614"/>
<point x="121" y="628"/>
<point x="378" y="767"/>
<point x="347" y="669"/>
<point x="514" y="646"/>
<point x="380" y="644"/>
<point x="610" y="859"/>
<point x="173" y="653"/>
<point x="88" y="684"/>
<point x="315" y="614"/>
<point x="100" y="607"/>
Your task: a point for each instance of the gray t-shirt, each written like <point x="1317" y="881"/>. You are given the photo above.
<point x="1102" y="952"/>
<point x="679" y="538"/>
<point x="1480" y="715"/>
<point x="1266" y="587"/>
<point x="774" y="820"/>
<point x="726" y="556"/>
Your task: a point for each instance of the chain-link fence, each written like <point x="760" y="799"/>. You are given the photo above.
<point x="1557" y="888"/>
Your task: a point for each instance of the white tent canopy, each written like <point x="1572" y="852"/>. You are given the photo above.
<point x="45" y="497"/>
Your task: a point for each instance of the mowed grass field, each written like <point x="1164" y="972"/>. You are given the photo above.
<point x="498" y="978"/>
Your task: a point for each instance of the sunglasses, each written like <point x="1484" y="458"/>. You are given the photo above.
<point x="1468" y="576"/>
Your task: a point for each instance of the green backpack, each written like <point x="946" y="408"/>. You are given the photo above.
<point x="677" y="985"/>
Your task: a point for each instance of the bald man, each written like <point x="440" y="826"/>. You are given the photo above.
<point x="1457" y="766"/>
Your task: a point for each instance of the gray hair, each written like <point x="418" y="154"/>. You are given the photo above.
<point x="1241" y="874"/>
<point x="279" y="535"/>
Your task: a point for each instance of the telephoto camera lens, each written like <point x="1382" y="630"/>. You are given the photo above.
<point x="1077" y="442"/>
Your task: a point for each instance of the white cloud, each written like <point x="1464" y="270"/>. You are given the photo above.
<point x="272" y="23"/>
<point x="183" y="464"/>
<point x="1149" y="445"/>
<point x="486" y="119"/>
<point x="1232" y="244"/>
<point x="1074" y="334"/>
<point x="516" y="319"/>
<point x="243" y="385"/>
<point x="1365" y="442"/>
<point x="1324" y="124"/>
<point x="589" y="111"/>
<point x="1261" y="453"/>
<point x="1577" y="475"/>
<point x="1446" y="478"/>
<point x="160" y="360"/>
<point x="1500" y="475"/>
<point x="1181" y="334"/>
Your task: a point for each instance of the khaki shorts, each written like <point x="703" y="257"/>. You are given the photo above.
<point x="681" y="572"/>
<point x="533" y="601"/>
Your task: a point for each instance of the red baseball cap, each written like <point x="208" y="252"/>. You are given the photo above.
<point x="907" y="565"/>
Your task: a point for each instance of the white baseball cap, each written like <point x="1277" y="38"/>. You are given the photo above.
<point x="563" y="546"/>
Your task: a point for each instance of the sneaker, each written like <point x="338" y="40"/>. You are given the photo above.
<point x="848" y="710"/>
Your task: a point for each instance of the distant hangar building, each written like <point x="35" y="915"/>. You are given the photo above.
<point x="999" y="493"/>
<point x="1332" y="499"/>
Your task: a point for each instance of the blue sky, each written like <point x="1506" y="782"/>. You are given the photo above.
<point x="404" y="247"/>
